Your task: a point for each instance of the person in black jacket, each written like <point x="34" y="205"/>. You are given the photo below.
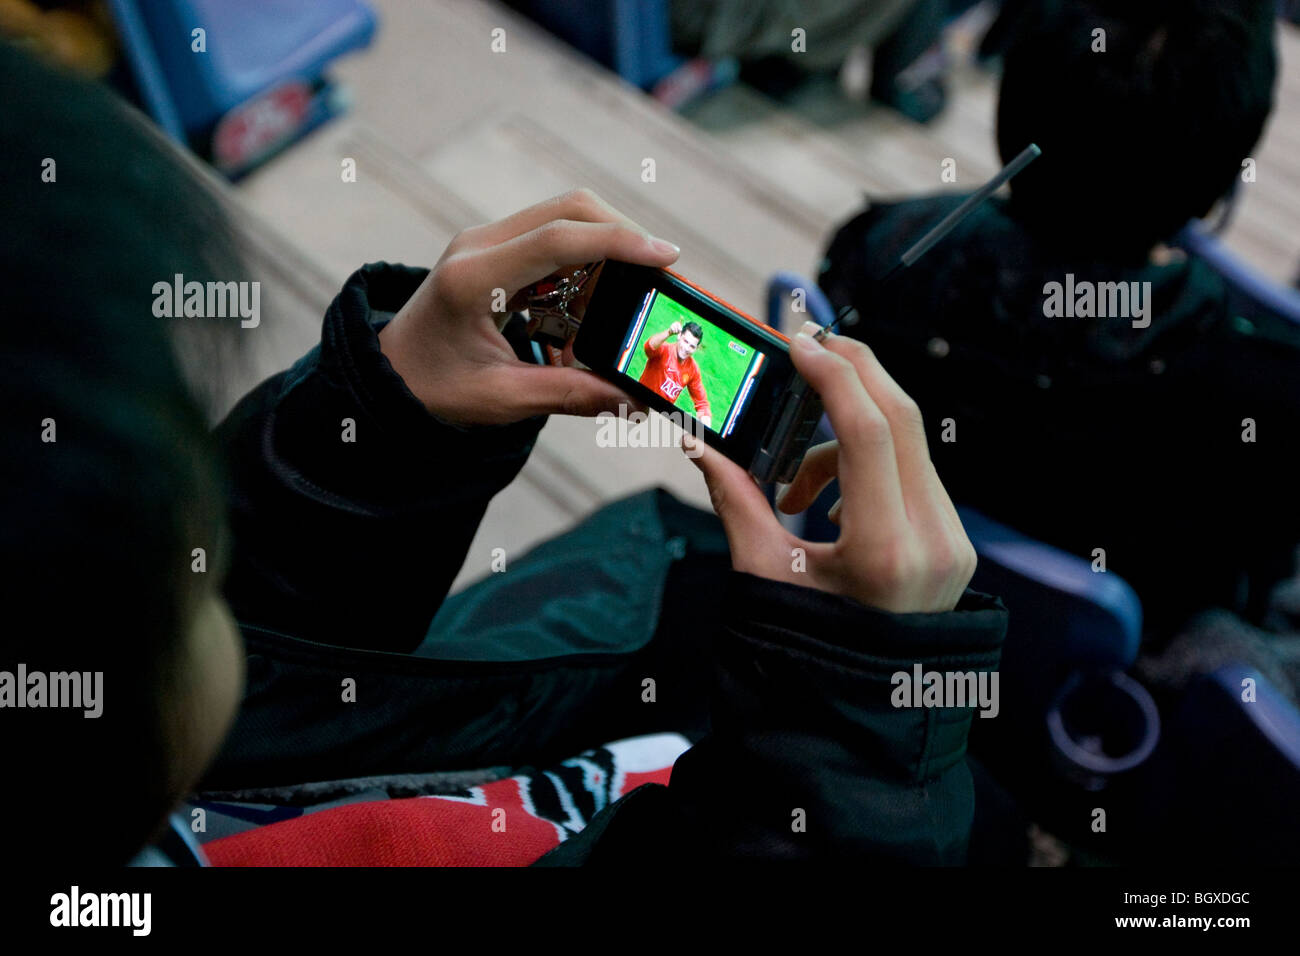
<point x="807" y="656"/>
<point x="340" y="553"/>
<point x="1159" y="431"/>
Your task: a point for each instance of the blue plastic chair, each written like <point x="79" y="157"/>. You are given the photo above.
<point x="1215" y="706"/>
<point x="1241" y="760"/>
<point x="1072" y="634"/>
<point x="781" y="291"/>
<point x="1244" y="281"/>
<point x="630" y="37"/>
<point x="1089" y="619"/>
<point x="256" y="50"/>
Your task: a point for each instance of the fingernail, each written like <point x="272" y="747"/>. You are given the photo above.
<point x="688" y="441"/>
<point x="811" y="329"/>
<point x="664" y="247"/>
<point x="808" y="343"/>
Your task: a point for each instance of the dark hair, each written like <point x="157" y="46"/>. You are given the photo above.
<point x="98" y="525"/>
<point x="1144" y="136"/>
<point x="695" y="330"/>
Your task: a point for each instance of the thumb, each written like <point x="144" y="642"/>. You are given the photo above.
<point x="752" y="529"/>
<point x="547" y="390"/>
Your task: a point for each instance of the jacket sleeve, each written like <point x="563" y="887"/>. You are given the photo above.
<point x="808" y="757"/>
<point x="352" y="507"/>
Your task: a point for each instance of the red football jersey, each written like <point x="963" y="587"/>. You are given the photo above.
<point x="665" y="374"/>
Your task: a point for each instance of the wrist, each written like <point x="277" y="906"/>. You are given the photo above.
<point x="396" y="346"/>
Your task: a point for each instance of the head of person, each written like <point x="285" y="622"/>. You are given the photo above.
<point x="1145" y="112"/>
<point x="689" y="340"/>
<point x="111" y="496"/>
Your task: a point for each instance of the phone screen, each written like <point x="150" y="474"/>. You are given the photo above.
<point x="702" y="369"/>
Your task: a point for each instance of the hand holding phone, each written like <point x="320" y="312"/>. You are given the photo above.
<point x="705" y="365"/>
<point x="445" y="342"/>
<point x="902" y="547"/>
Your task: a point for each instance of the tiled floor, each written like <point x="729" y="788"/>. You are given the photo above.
<point x="447" y="134"/>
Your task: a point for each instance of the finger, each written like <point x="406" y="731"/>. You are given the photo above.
<point x="931" y="509"/>
<point x="548" y="389"/>
<point x="874" y="510"/>
<point x="580" y="205"/>
<point x="753" y="531"/>
<point x="470" y="277"/>
<point x="904" y="415"/>
<point x="922" y="490"/>
<point x="819" y="466"/>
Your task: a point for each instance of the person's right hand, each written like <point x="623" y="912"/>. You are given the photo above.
<point x="446" y="341"/>
<point x="902" y="547"/>
<point x="675" y="329"/>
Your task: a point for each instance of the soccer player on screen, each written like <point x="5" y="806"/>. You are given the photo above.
<point x="669" y="369"/>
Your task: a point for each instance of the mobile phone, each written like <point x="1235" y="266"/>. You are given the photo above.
<point x="724" y="376"/>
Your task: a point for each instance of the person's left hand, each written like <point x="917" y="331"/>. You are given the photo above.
<point x="445" y="342"/>
<point x="902" y="547"/>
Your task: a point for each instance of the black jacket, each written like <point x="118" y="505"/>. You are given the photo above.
<point x="344" y="552"/>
